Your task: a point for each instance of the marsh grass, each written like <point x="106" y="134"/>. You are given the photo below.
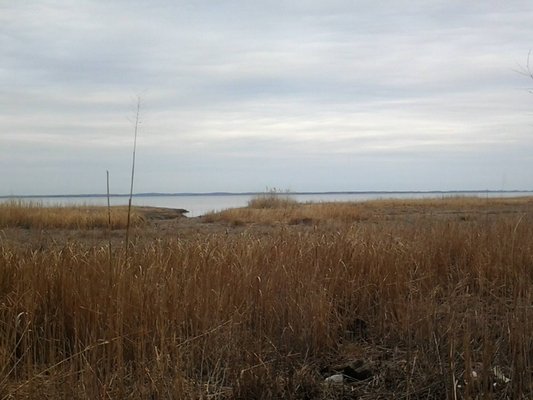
<point x="272" y="199"/>
<point x="27" y="214"/>
<point x="288" y="211"/>
<point x="251" y="315"/>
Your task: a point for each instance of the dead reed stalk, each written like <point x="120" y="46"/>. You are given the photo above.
<point x="255" y="315"/>
<point x="132" y="174"/>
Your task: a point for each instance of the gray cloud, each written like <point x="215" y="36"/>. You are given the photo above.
<point x="237" y="95"/>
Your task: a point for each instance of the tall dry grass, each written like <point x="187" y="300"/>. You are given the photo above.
<point x="271" y="209"/>
<point x="272" y="198"/>
<point x="257" y="316"/>
<point x="27" y="214"/>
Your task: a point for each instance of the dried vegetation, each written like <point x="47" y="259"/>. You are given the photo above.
<point x="434" y="297"/>
<point x="37" y="216"/>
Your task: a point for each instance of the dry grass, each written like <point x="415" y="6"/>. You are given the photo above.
<point x="259" y="316"/>
<point x="35" y="215"/>
<point x="293" y="213"/>
<point x="271" y="199"/>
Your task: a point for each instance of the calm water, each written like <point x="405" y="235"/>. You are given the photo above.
<point x="200" y="204"/>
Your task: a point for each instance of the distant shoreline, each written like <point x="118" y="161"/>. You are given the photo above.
<point x="364" y="192"/>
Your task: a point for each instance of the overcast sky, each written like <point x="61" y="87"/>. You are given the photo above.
<point x="244" y="95"/>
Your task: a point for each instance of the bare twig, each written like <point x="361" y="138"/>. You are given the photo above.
<point x="526" y="70"/>
<point x="528" y="66"/>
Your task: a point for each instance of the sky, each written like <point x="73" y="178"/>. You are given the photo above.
<point x="247" y="95"/>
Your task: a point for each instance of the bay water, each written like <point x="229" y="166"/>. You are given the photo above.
<point x="200" y="204"/>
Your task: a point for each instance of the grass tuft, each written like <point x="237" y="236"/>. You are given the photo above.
<point x="272" y="199"/>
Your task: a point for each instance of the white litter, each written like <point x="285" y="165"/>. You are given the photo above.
<point x="337" y="378"/>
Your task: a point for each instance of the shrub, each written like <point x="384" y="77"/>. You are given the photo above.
<point x="272" y="198"/>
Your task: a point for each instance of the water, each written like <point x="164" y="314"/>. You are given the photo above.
<point x="201" y="204"/>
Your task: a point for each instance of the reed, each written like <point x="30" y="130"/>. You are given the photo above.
<point x="291" y="212"/>
<point x="445" y="302"/>
<point x="272" y="199"/>
<point x="33" y="215"/>
<point x="128" y="222"/>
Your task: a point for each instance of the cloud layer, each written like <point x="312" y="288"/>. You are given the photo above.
<point x="238" y="96"/>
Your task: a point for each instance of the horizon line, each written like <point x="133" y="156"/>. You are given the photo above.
<point x="223" y="193"/>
